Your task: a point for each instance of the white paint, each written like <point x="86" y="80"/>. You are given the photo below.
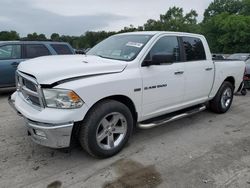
<point x="191" y="88"/>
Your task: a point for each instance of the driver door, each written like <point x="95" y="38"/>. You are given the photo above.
<point x="163" y="84"/>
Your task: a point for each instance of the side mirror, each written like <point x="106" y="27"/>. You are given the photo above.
<point x="158" y="59"/>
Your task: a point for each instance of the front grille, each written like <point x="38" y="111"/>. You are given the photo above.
<point x="28" y="87"/>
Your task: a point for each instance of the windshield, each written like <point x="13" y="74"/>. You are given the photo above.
<point x="120" y="47"/>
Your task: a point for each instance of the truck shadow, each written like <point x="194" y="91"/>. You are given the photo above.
<point x="6" y="92"/>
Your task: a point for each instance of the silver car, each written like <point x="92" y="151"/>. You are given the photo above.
<point x="239" y="56"/>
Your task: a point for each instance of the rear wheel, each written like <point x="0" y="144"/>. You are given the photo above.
<point x="223" y="99"/>
<point x="106" y="129"/>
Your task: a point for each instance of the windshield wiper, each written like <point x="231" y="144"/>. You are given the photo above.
<point x="106" y="57"/>
<point x="100" y="56"/>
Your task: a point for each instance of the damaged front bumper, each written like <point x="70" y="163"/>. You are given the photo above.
<point x="46" y="134"/>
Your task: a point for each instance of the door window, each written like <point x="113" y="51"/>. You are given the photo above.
<point x="167" y="45"/>
<point x="36" y="50"/>
<point x="10" y="52"/>
<point x="61" y="49"/>
<point x="194" y="49"/>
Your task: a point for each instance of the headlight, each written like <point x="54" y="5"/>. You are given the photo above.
<point x="62" y="98"/>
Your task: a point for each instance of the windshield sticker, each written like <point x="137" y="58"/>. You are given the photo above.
<point x="135" y="44"/>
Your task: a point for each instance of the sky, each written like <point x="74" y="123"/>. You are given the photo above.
<point x="75" y="17"/>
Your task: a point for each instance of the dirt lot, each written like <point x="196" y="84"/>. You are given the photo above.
<point x="205" y="150"/>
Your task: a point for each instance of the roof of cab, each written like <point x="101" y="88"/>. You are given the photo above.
<point x="31" y="42"/>
<point x="159" y="33"/>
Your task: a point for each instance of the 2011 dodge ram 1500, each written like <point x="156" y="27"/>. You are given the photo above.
<point x="140" y="79"/>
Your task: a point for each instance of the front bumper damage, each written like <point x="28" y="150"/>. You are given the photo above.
<point x="46" y="134"/>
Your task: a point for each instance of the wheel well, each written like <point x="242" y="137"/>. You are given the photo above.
<point x="231" y="80"/>
<point x="126" y="101"/>
<point x="120" y="98"/>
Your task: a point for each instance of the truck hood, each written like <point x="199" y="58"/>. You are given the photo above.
<point x="52" y="69"/>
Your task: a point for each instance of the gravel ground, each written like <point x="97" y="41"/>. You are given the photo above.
<point x="204" y="150"/>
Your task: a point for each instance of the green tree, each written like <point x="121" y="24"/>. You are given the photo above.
<point x="245" y="8"/>
<point x="236" y="33"/>
<point x="153" y="25"/>
<point x="174" y="20"/>
<point x="226" y="26"/>
<point x="42" y="37"/>
<point x="35" y="37"/>
<point x="223" y="6"/>
<point x="131" y="28"/>
<point x="228" y="33"/>
<point x="55" y="37"/>
<point x="9" y="35"/>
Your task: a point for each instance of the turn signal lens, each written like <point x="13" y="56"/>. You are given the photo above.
<point x="73" y="96"/>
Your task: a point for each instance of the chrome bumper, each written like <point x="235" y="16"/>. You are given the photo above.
<point x="50" y="135"/>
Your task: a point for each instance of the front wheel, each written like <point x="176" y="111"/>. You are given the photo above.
<point x="106" y="129"/>
<point x="223" y="99"/>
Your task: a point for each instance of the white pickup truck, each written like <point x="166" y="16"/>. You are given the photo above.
<point x="142" y="79"/>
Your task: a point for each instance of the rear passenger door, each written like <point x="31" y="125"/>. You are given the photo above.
<point x="35" y="50"/>
<point x="199" y="72"/>
<point x="10" y="57"/>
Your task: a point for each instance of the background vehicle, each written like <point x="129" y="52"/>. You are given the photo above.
<point x="218" y="57"/>
<point x="80" y="51"/>
<point x="246" y="78"/>
<point x="248" y="67"/>
<point x="239" y="56"/>
<point x="14" y="52"/>
<point x="141" y="78"/>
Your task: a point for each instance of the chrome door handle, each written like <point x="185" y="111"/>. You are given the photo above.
<point x="209" y="69"/>
<point x="178" y="72"/>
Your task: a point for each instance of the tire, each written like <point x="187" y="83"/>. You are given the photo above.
<point x="106" y="121"/>
<point x="244" y="92"/>
<point x="223" y="99"/>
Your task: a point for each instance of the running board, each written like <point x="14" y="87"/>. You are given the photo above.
<point x="171" y="117"/>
